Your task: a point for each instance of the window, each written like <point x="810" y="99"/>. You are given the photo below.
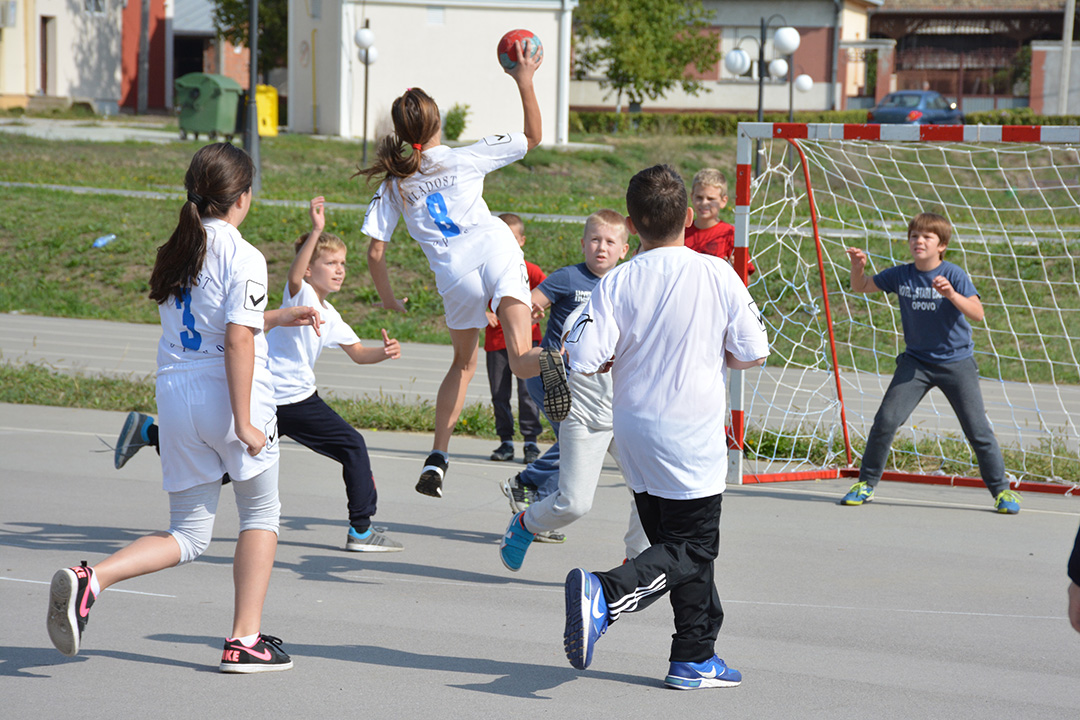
<point x="96" y="7"/>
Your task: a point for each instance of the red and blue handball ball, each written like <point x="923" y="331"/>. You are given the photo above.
<point x="508" y="54"/>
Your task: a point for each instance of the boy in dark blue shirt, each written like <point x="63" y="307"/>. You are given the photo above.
<point x="936" y="301"/>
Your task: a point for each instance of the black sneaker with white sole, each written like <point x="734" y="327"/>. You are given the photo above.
<point x="265" y="655"/>
<point x="556" y="388"/>
<point x="432" y="475"/>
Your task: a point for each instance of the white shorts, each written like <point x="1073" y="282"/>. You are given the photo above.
<point x="501" y="276"/>
<point x="198" y="438"/>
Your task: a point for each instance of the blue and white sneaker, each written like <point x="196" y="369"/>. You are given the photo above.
<point x="712" y="673"/>
<point x="586" y="617"/>
<point x="514" y="543"/>
<point x="132" y="437"/>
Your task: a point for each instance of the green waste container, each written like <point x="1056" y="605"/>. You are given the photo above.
<point x="207" y="104"/>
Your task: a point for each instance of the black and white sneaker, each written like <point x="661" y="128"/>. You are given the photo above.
<point x="70" y="599"/>
<point x="265" y="655"/>
<point x="432" y="475"/>
<point x="556" y="389"/>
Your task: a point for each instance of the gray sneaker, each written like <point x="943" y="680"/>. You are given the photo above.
<point x="132" y="437"/>
<point x="373" y="541"/>
<point x="551" y="536"/>
<point x="519" y="494"/>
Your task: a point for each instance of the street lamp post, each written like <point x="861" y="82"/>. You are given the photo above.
<point x="785" y="41"/>
<point x="251" y="127"/>
<point x="365" y="40"/>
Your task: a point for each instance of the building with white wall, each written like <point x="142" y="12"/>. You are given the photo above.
<point x="447" y="49"/>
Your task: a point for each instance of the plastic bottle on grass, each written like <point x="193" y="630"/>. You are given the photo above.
<point x="104" y="240"/>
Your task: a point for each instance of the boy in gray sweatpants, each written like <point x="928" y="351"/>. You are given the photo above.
<point x="585" y="436"/>
<point x="937" y="298"/>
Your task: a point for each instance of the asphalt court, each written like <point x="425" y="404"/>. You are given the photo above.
<point x="923" y="604"/>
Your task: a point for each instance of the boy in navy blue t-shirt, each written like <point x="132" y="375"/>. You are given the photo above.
<point x="936" y="301"/>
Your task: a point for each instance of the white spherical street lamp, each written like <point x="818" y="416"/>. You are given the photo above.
<point x="369" y="55"/>
<point x="804" y="83"/>
<point x="786" y="40"/>
<point x="737" y="61"/>
<point x="778" y="68"/>
<point x="364" y="38"/>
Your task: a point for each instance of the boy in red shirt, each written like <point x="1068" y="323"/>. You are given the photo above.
<point x="709" y="234"/>
<point x="500" y="378"/>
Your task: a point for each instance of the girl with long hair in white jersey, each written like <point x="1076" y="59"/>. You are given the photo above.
<point x="216" y="411"/>
<point x="476" y="260"/>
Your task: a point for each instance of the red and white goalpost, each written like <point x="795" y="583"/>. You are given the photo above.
<point x="1013" y="197"/>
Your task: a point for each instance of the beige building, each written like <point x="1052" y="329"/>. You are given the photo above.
<point x="831" y="35"/>
<point x="60" y="51"/>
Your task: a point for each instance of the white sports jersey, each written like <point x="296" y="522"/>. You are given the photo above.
<point x="667" y="317"/>
<point x="294" y="350"/>
<point x="444" y="208"/>
<point x="230" y="288"/>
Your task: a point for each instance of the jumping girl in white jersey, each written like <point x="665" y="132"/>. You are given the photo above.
<point x="216" y="411"/>
<point x="476" y="260"/>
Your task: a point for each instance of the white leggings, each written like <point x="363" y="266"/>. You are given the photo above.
<point x="192" y="511"/>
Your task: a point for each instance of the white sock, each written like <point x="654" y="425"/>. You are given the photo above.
<point x="95" y="586"/>
<point x="247" y="640"/>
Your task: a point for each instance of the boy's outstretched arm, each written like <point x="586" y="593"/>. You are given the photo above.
<point x="295" y="316"/>
<point x="303" y="257"/>
<point x="523" y="75"/>
<point x="972" y="307"/>
<point x="376" y="256"/>
<point x="859" y="281"/>
<point x="390" y="350"/>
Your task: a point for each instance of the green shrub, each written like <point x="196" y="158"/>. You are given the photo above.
<point x="699" y="123"/>
<point x="455" y="121"/>
<point x="1018" y="116"/>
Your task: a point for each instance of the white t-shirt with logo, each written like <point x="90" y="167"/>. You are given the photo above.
<point x="444" y="209"/>
<point x="294" y="350"/>
<point x="230" y="288"/>
<point x="667" y="317"/>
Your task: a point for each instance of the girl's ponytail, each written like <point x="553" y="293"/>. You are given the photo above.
<point x="218" y="175"/>
<point x="416" y="120"/>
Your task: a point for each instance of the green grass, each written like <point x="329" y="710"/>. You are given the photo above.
<point x="298" y="167"/>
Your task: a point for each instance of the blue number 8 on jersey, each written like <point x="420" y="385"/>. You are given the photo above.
<point x="436" y="206"/>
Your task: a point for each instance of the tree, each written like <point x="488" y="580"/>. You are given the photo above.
<point x="643" y="48"/>
<point x="231" y="18"/>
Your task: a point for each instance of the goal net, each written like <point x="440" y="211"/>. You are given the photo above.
<point x="1012" y="195"/>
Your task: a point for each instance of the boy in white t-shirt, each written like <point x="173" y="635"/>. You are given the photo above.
<point x="317" y="270"/>
<point x="668" y="324"/>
